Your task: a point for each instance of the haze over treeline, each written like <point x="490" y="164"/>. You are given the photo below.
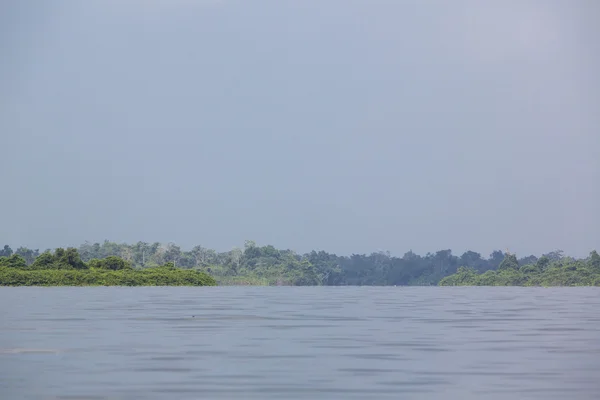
<point x="255" y="264"/>
<point x="349" y="126"/>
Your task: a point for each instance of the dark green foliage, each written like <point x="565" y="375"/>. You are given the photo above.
<point x="60" y="259"/>
<point x="561" y="272"/>
<point x="45" y="260"/>
<point x="168" y="266"/>
<point x="463" y="276"/>
<point x="543" y="263"/>
<point x="13" y="261"/>
<point x="530" y="269"/>
<point x="509" y="262"/>
<point x="69" y="258"/>
<point x="111" y="263"/>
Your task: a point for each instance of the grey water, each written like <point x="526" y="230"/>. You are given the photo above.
<point x="300" y="343"/>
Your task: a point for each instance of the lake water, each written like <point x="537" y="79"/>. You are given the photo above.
<point x="300" y="343"/>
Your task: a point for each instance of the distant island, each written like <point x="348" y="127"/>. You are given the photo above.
<point x="156" y="264"/>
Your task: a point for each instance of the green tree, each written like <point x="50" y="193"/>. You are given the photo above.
<point x="327" y="267"/>
<point x="308" y="275"/>
<point x="87" y="251"/>
<point x="594" y="260"/>
<point x="530" y="269"/>
<point x="69" y="257"/>
<point x="529" y="260"/>
<point x="13" y="261"/>
<point x="6" y="251"/>
<point x="111" y="263"/>
<point x="542" y="263"/>
<point x="172" y="253"/>
<point x="472" y="259"/>
<point x="44" y="261"/>
<point x="495" y="259"/>
<point x="141" y="253"/>
<point x="555" y="255"/>
<point x="509" y="262"/>
<point x="203" y="257"/>
<point x="463" y="276"/>
<point x="28" y="254"/>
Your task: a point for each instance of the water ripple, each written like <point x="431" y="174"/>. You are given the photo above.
<point x="300" y="343"/>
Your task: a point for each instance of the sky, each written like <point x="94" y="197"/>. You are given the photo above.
<point x="349" y="126"/>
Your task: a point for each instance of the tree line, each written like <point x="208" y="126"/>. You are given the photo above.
<point x="65" y="267"/>
<point x="564" y="271"/>
<point x="267" y="265"/>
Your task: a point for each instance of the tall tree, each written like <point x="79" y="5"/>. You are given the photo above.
<point x="6" y="251"/>
<point x="594" y="260"/>
<point x="510" y="262"/>
<point x="28" y="254"/>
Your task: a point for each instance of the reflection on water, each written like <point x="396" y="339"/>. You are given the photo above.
<point x="299" y="343"/>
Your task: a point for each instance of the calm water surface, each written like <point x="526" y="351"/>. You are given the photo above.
<point x="299" y="343"/>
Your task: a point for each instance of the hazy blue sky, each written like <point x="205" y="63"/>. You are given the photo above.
<point x="342" y="125"/>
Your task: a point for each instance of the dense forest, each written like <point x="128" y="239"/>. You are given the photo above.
<point x="544" y="272"/>
<point x="65" y="267"/>
<point x="266" y="265"/>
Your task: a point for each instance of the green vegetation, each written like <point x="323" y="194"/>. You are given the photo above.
<point x="154" y="264"/>
<point x="562" y="272"/>
<point x="66" y="268"/>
